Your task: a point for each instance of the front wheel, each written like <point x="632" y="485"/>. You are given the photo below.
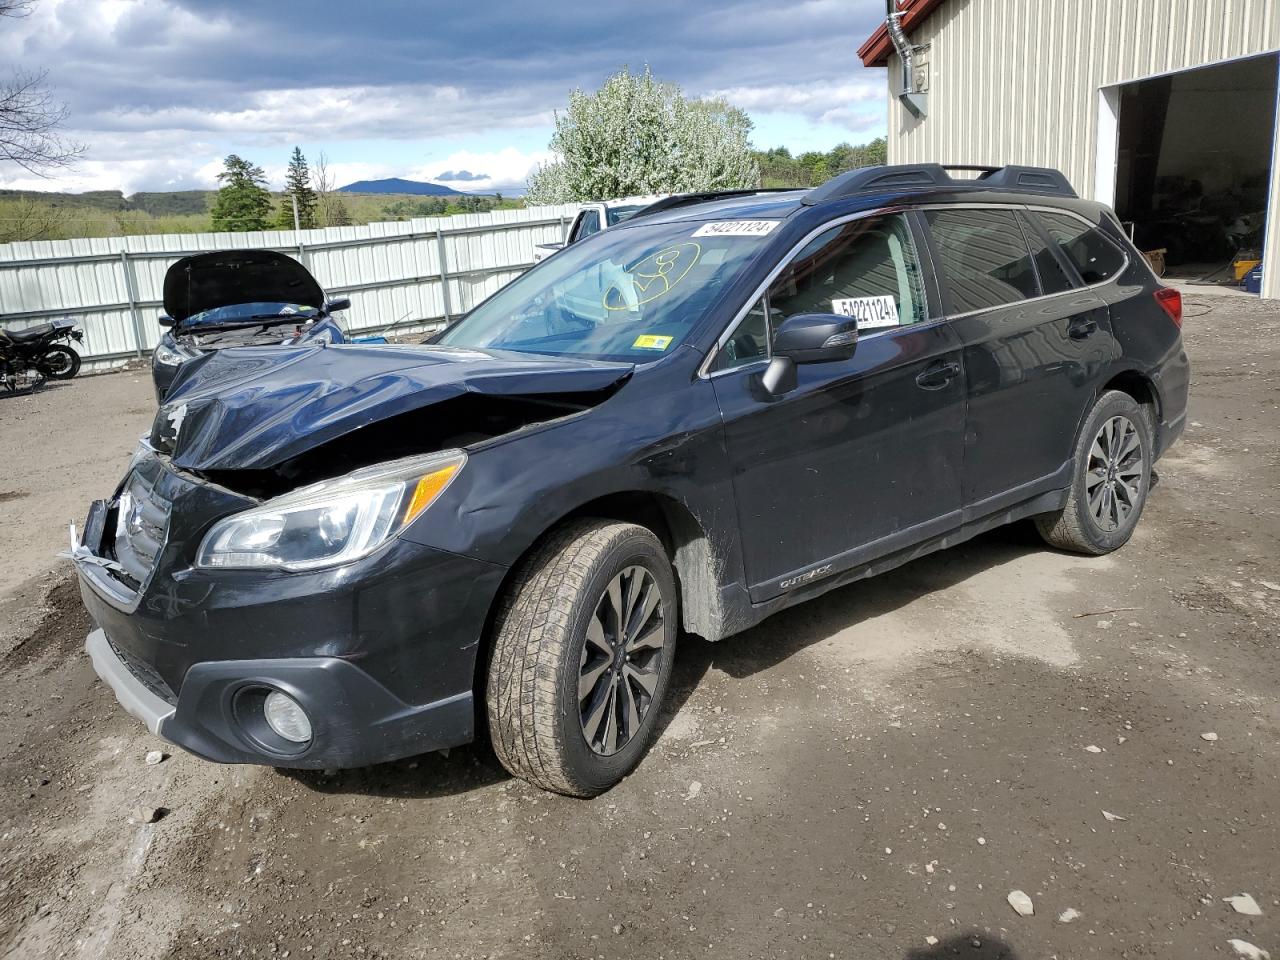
<point x="581" y="658"/>
<point x="59" y="362"/>
<point x="1112" y="478"/>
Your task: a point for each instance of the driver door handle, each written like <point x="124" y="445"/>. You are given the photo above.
<point x="938" y="375"/>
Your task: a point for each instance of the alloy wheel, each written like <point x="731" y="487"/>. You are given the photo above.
<point x="1113" y="477"/>
<point x="621" y="660"/>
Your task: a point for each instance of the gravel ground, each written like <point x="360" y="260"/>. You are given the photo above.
<point x="868" y="775"/>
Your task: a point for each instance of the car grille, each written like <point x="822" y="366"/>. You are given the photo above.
<point x="145" y="674"/>
<point x="142" y="523"/>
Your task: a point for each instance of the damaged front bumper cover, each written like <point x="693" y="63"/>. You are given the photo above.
<point x="355" y="720"/>
<point x="379" y="652"/>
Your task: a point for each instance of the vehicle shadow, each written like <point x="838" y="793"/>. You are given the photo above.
<point x="793" y="630"/>
<point x="31" y="391"/>
<point x="973" y="945"/>
<point x="780" y="637"/>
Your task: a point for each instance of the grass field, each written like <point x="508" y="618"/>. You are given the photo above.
<point x="31" y="215"/>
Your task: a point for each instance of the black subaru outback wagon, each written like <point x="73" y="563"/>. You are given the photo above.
<point x="333" y="555"/>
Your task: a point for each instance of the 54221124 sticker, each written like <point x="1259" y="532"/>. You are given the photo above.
<point x="872" y="313"/>
<point x="736" y="228"/>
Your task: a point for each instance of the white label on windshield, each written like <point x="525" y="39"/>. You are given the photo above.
<point x="736" y="228"/>
<point x="872" y="313"/>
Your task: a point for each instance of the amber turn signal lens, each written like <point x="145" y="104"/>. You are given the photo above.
<point x="428" y="489"/>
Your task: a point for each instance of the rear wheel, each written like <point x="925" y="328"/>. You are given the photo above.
<point x="582" y="654"/>
<point x="59" y="362"/>
<point x="1111" y="481"/>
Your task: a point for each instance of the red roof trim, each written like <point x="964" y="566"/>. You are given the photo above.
<point x="875" y="51"/>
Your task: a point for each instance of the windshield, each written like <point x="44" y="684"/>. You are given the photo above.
<point x="629" y="294"/>
<point x="240" y="312"/>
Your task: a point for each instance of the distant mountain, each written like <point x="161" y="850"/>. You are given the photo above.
<point x="397" y="185"/>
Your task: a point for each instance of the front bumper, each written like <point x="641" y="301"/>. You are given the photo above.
<point x="381" y="652"/>
<point x="355" y="720"/>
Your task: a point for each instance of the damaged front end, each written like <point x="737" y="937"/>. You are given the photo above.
<point x="251" y="556"/>
<point x="264" y="422"/>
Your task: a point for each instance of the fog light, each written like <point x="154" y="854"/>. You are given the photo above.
<point x="286" y="718"/>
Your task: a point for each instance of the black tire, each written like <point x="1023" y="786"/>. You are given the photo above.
<point x="59" y="362"/>
<point x="540" y="648"/>
<point x="1077" y="526"/>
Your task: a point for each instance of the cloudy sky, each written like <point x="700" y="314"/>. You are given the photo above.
<point x="161" y="90"/>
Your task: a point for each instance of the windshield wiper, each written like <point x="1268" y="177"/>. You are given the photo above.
<point x="251" y="321"/>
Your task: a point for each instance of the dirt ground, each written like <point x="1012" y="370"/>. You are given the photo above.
<point x="869" y="775"/>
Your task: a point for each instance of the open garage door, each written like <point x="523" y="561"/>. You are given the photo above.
<point x="1193" y="166"/>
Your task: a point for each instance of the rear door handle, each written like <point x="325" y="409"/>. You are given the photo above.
<point x="938" y="375"/>
<point x="1080" y="329"/>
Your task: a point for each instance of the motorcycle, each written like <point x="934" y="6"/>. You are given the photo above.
<point x="30" y="357"/>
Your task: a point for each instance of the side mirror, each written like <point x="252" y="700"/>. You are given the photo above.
<point x="336" y="304"/>
<point x="808" y="338"/>
<point x="167" y="321"/>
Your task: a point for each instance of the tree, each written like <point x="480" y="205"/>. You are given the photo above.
<point x="638" y="135"/>
<point x="778" y="168"/>
<point x="331" y="211"/>
<point x="29" y="218"/>
<point x="30" y="116"/>
<point x="242" y="202"/>
<point x="297" y="188"/>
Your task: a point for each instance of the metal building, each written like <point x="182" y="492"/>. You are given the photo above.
<point x="1166" y="109"/>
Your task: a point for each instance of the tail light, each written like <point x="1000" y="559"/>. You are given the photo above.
<point x="1170" y="301"/>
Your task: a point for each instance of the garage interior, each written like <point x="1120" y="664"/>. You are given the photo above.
<point x="1193" y="169"/>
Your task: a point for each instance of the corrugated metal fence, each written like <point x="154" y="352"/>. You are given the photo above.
<point x="411" y="274"/>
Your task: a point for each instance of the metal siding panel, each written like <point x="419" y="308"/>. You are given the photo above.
<point x="1018" y="82"/>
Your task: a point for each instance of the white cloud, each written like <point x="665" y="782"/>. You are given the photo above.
<point x="823" y="102"/>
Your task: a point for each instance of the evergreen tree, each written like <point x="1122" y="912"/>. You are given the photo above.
<point x="242" y="202"/>
<point x="337" y="213"/>
<point x="297" y="187"/>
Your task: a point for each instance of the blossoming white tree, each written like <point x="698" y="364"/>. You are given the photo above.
<point x="637" y="135"/>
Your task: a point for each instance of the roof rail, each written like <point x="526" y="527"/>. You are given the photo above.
<point x="922" y="176"/>
<point x="688" y="199"/>
<point x="1030" y="179"/>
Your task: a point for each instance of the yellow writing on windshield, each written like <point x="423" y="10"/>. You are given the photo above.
<point x="652" y="277"/>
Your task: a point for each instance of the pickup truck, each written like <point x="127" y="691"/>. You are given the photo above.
<point x="592" y="218"/>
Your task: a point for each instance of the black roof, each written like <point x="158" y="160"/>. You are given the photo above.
<point x="779" y="203"/>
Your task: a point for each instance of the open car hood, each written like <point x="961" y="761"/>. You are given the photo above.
<point x="208" y="280"/>
<point x="253" y="408"/>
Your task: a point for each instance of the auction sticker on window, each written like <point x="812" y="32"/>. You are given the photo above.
<point x="651" y="341"/>
<point x="872" y="313"/>
<point x="736" y="228"/>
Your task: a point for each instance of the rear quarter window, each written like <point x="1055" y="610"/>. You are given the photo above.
<point x="984" y="257"/>
<point x="1095" y="256"/>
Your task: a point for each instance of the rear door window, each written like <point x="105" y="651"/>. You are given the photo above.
<point x="1094" y="255"/>
<point x="984" y="258"/>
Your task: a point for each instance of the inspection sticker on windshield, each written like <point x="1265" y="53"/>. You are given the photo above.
<point x="649" y="341"/>
<point x="736" y="228"/>
<point x="872" y="313"/>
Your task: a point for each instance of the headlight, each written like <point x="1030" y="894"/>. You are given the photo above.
<point x="166" y="356"/>
<point x="331" y="522"/>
